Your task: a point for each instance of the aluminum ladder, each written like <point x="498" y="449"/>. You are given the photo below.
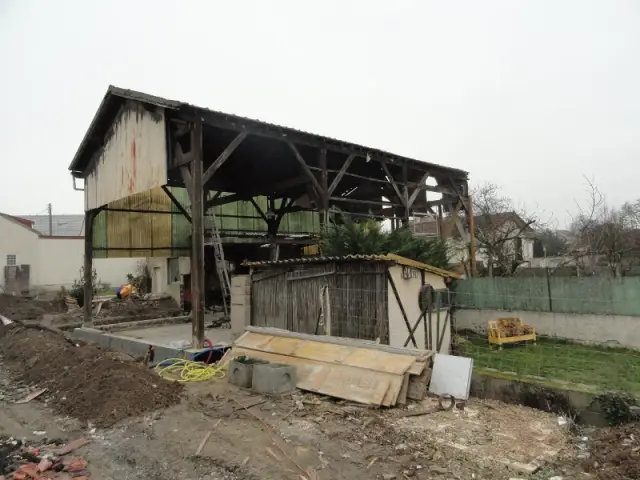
<point x="221" y="267"/>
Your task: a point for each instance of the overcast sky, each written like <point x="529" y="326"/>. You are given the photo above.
<point x="531" y="95"/>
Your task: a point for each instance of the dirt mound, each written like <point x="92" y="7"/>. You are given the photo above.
<point x="85" y="382"/>
<point x="140" y="309"/>
<point x="20" y="308"/>
<point x="615" y="453"/>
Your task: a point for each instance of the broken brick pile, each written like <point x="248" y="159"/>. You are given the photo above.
<point x="46" y="460"/>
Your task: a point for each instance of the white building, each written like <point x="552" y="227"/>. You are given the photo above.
<point x="506" y="233"/>
<point x="35" y="262"/>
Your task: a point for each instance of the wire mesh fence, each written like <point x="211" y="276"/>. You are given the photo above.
<point x="590" y="352"/>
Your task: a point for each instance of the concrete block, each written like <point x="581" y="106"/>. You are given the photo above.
<point x="240" y="280"/>
<point x="240" y="290"/>
<point x="241" y="371"/>
<point x="273" y="378"/>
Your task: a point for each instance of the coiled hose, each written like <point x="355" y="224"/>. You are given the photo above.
<point x="188" y="370"/>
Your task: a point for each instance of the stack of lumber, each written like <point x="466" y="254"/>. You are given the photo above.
<point x="346" y="368"/>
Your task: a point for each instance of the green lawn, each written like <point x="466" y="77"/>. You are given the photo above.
<point x="605" y="368"/>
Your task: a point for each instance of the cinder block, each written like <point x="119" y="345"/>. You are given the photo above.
<point x="240" y="290"/>
<point x="241" y="371"/>
<point x="240" y="280"/>
<point x="274" y="378"/>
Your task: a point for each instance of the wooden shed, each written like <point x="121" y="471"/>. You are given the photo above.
<point x="385" y="298"/>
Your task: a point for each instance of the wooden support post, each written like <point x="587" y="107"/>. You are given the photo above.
<point x="89" y="216"/>
<point x="197" y="238"/>
<point x="405" y="194"/>
<point x="472" y="238"/>
<point x="324" y="185"/>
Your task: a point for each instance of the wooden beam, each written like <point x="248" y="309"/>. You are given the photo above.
<point x="393" y="183"/>
<point x="438" y="189"/>
<point x="417" y="191"/>
<point x="405" y="194"/>
<point x="175" y="201"/>
<point x="179" y="157"/>
<point x="341" y="173"/>
<point x="223" y="200"/>
<point x="259" y="210"/>
<point x="472" y="238"/>
<point x="364" y="202"/>
<point x="88" y="267"/>
<point x="213" y="168"/>
<point x="197" y="239"/>
<point x="306" y="170"/>
<point x="188" y="182"/>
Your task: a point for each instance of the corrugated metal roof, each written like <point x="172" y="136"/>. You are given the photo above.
<point x="111" y="103"/>
<point x="356" y="258"/>
<point x="63" y="225"/>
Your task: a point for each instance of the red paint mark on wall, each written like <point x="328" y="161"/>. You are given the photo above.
<point x="134" y="167"/>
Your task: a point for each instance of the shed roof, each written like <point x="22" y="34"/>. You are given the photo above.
<point x="390" y="257"/>
<point x="23" y="222"/>
<point x="115" y="97"/>
<point x="63" y="225"/>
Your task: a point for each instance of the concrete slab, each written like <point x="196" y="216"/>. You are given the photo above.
<point x="136" y="342"/>
<point x="165" y="334"/>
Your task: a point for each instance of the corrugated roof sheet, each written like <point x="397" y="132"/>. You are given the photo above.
<point x="108" y="108"/>
<point x="63" y="225"/>
<point x="357" y="258"/>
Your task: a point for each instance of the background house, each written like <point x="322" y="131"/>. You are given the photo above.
<point x="503" y="240"/>
<point x="34" y="262"/>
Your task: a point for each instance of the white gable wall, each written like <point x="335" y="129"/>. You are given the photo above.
<point x="18" y="240"/>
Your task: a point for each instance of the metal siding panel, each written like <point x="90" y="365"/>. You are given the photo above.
<point x="133" y="159"/>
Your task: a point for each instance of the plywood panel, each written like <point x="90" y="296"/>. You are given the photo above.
<point x="330" y="353"/>
<point x="339" y="381"/>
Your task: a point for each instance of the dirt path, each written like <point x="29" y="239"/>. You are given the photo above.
<point x="143" y="433"/>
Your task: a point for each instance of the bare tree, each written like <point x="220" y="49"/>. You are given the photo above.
<point x="501" y="228"/>
<point x="605" y="235"/>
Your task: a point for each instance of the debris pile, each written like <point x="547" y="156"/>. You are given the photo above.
<point x="84" y="381"/>
<point x="138" y="308"/>
<point x="47" y="459"/>
<point x="615" y="453"/>
<point x="18" y="308"/>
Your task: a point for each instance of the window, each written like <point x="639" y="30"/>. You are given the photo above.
<point x="173" y="270"/>
<point x="11" y="260"/>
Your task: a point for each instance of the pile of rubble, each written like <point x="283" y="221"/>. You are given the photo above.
<point x="20" y="460"/>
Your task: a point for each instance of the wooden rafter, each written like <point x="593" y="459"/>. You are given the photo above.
<point x="307" y="171"/>
<point x="393" y="183"/>
<point x="341" y="172"/>
<point x="416" y="192"/>
<point x="213" y="168"/>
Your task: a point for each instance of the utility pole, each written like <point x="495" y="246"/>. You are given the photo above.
<point x="50" y="219"/>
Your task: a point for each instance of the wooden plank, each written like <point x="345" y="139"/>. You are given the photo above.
<point x="418" y="385"/>
<point x="349" y="342"/>
<point x="393" y="392"/>
<point x="417" y="368"/>
<point x="340" y="381"/>
<point x="330" y="353"/>
<point x="402" y="396"/>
